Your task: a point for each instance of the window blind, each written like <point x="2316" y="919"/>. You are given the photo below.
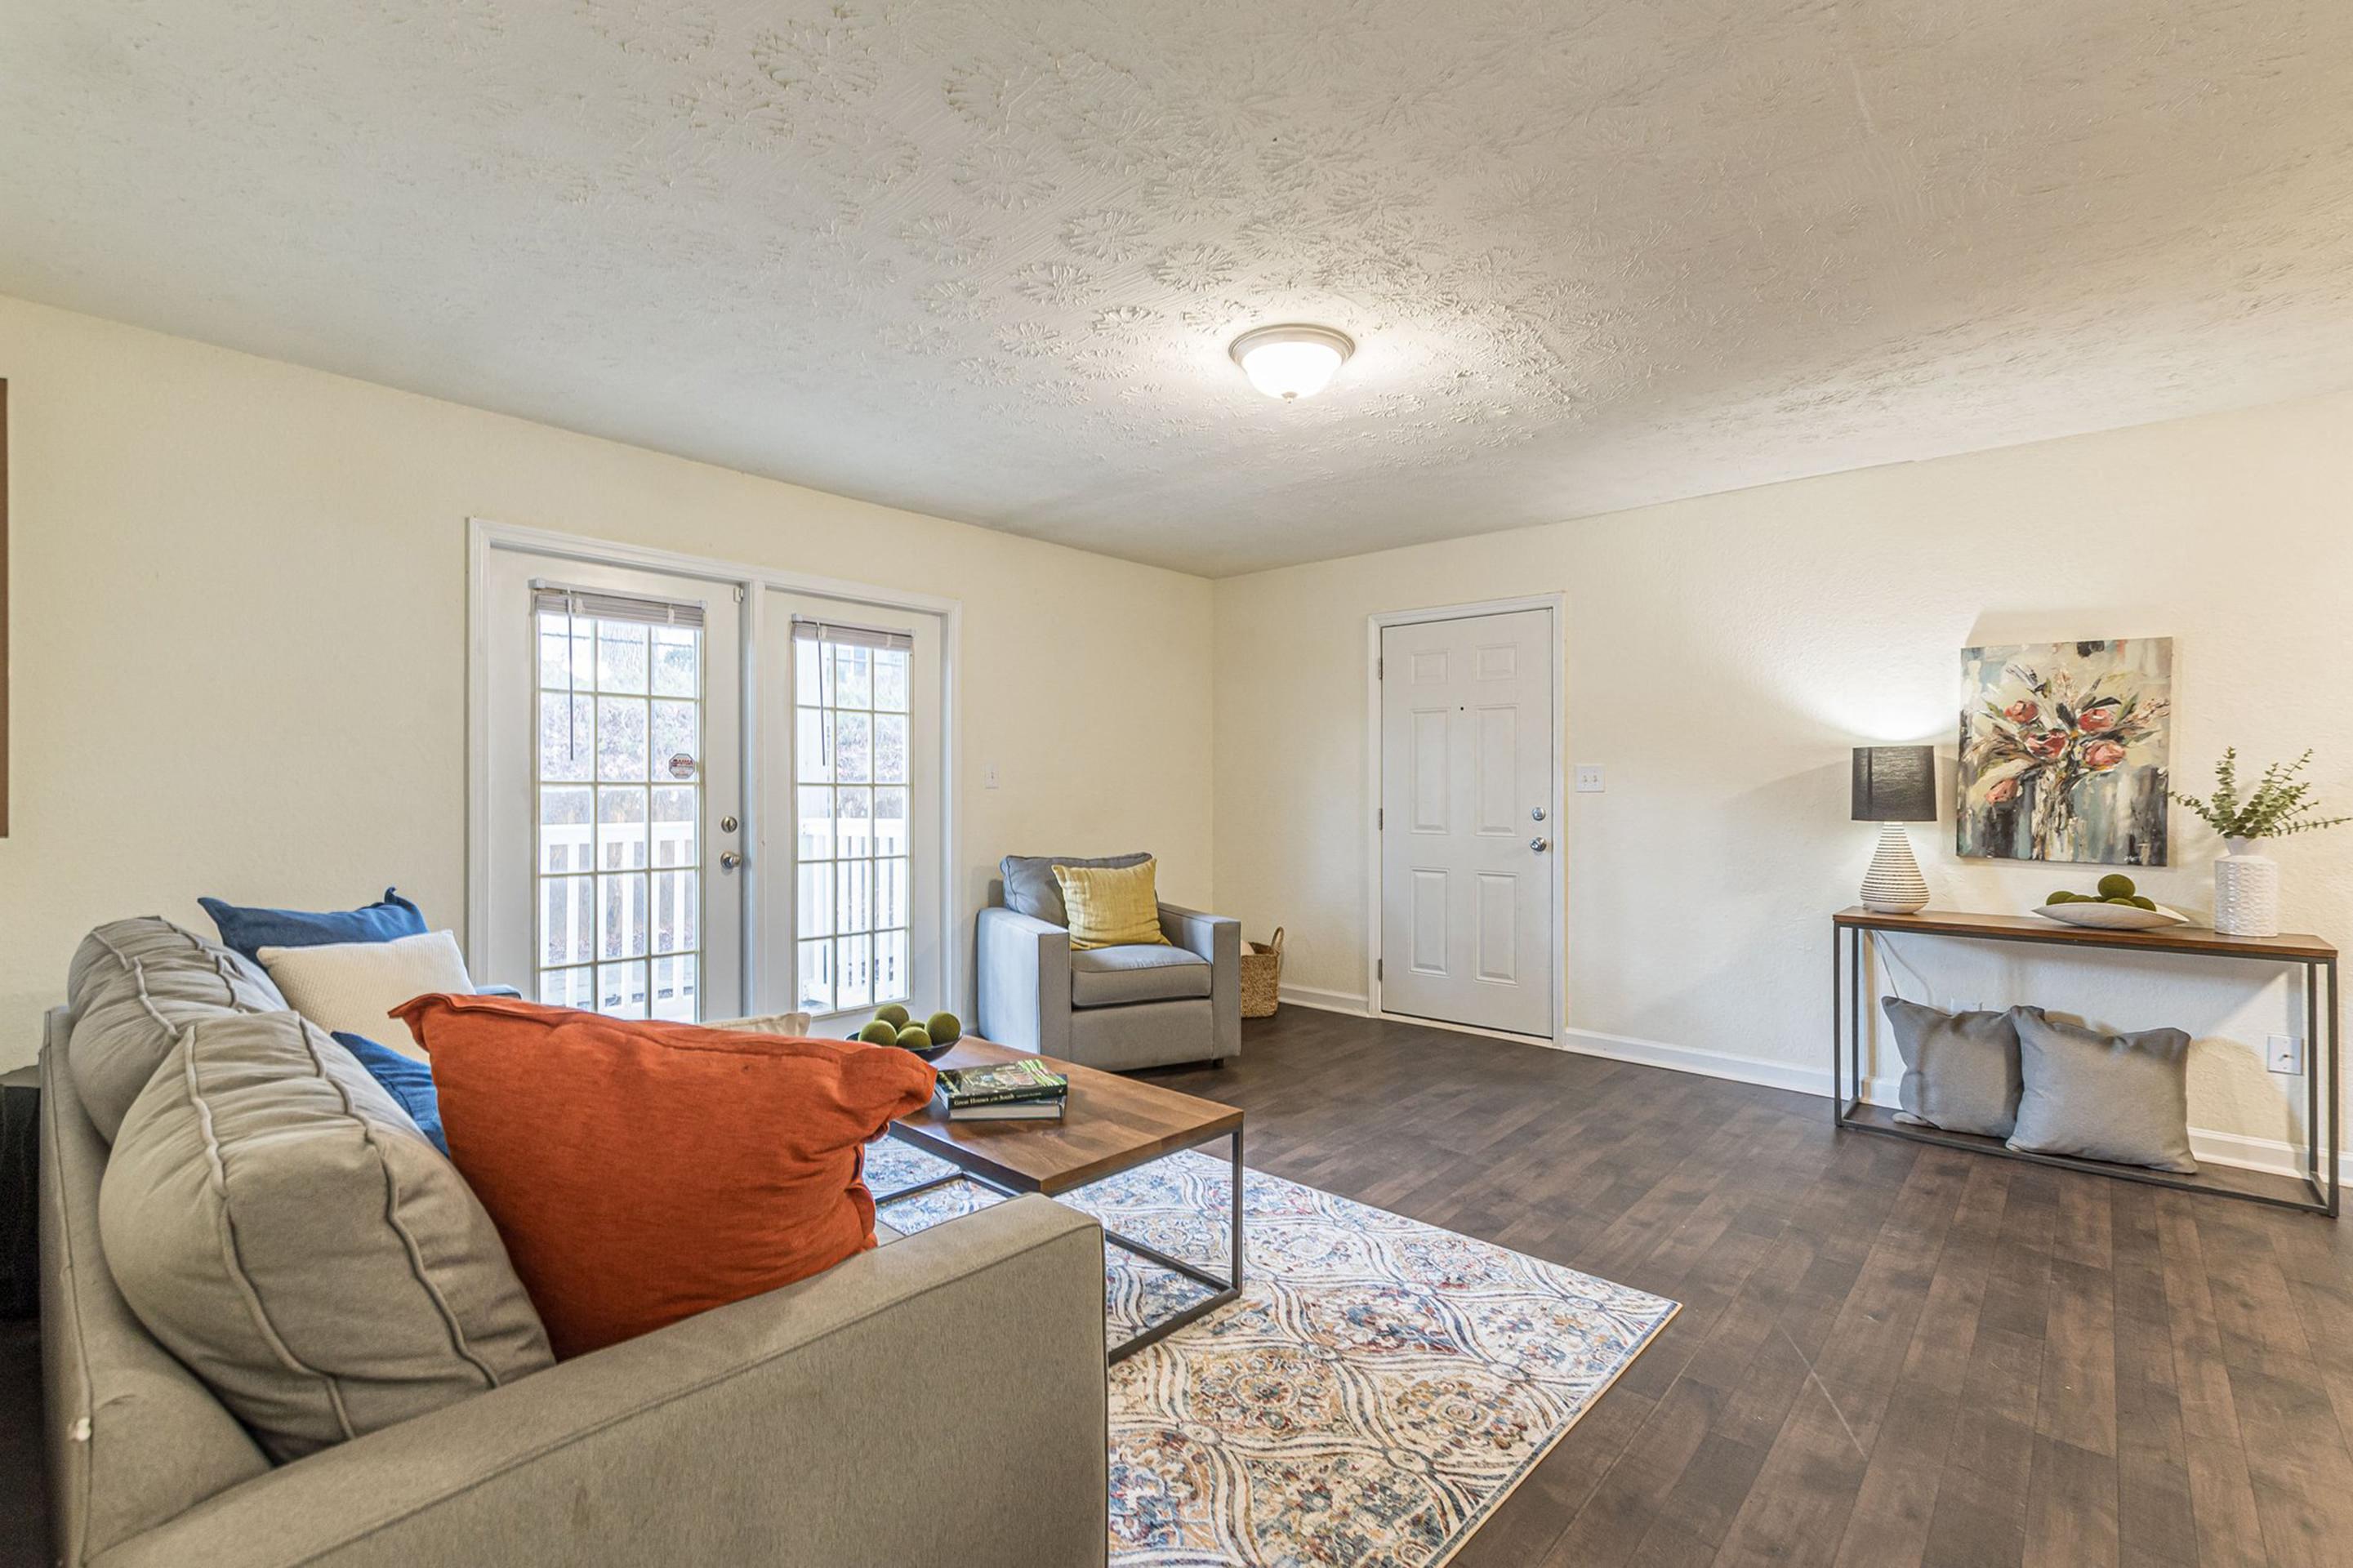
<point x="807" y="630"/>
<point x="550" y="598"/>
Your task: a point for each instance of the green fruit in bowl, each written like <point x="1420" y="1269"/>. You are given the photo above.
<point x="2143" y="901"/>
<point x="879" y="1032"/>
<point x="914" y="1037"/>
<point x="945" y="1028"/>
<point x="2116" y="885"/>
<point x="2061" y="896"/>
<point x="890" y="1013"/>
<point x="2125" y="902"/>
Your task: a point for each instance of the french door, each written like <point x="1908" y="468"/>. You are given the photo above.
<point x="853" y="832"/>
<point x="611" y="871"/>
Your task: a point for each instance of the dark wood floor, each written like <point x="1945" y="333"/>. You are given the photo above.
<point x="1888" y="1353"/>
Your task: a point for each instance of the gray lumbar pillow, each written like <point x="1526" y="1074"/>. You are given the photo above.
<point x="132" y="987"/>
<point x="1960" y="1069"/>
<point x="276" y="1220"/>
<point x="2124" y="1099"/>
<point x="1030" y="889"/>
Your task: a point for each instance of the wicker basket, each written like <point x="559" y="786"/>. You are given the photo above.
<point x="1262" y="976"/>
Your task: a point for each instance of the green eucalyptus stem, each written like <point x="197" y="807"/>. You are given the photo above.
<point x="2280" y="804"/>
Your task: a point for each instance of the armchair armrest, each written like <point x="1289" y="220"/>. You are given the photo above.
<point x="1218" y="940"/>
<point x="811" y="1425"/>
<point x="1024" y="981"/>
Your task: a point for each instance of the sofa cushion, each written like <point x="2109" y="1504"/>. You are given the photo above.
<point x="642" y="1173"/>
<point x="352" y="987"/>
<point x="248" y="930"/>
<point x="1110" y="976"/>
<point x="278" y="1223"/>
<point x="1030" y="889"/>
<point x="133" y="986"/>
<point x="2124" y="1099"/>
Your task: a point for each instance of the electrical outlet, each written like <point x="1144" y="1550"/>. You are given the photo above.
<point x="2284" y="1054"/>
<point x="1589" y="778"/>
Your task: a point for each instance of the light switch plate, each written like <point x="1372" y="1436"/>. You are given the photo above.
<point x="2284" y="1054"/>
<point x="1589" y="778"/>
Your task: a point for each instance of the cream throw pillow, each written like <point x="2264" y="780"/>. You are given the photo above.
<point x="1111" y="906"/>
<point x="795" y="1024"/>
<point x="354" y="985"/>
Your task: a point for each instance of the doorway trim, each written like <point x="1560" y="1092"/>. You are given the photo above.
<point x="1556" y="605"/>
<point x="484" y="535"/>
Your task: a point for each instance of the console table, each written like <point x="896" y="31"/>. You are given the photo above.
<point x="2314" y="1191"/>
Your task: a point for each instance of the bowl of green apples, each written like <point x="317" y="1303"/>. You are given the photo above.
<point x="894" y="1026"/>
<point x="2117" y="905"/>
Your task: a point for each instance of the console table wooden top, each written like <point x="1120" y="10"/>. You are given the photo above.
<point x="2291" y="949"/>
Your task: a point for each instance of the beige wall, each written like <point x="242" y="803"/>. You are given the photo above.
<point x="239" y="633"/>
<point x="1725" y="653"/>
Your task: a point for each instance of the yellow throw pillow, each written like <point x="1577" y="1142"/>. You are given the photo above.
<point x="1111" y="906"/>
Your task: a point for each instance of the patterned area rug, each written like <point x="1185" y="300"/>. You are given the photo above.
<point x="1380" y="1388"/>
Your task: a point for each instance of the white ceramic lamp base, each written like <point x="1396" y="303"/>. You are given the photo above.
<point x="1893" y="885"/>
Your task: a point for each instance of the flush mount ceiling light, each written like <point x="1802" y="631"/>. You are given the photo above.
<point x="1293" y="361"/>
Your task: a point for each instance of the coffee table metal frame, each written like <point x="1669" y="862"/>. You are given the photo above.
<point x="1222" y="1291"/>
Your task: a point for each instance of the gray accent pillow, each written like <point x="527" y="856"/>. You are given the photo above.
<point x="132" y="987"/>
<point x="278" y="1223"/>
<point x="2124" y="1099"/>
<point x="1960" y="1069"/>
<point x="1030" y="889"/>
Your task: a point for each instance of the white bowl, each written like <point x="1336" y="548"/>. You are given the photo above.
<point x="2111" y="917"/>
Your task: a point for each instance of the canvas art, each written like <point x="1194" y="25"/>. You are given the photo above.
<point x="2064" y="751"/>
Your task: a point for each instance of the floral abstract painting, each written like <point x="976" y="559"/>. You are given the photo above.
<point x="2064" y="751"/>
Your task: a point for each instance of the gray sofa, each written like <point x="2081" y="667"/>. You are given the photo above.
<point x="938" y="1399"/>
<point x="1115" y="1008"/>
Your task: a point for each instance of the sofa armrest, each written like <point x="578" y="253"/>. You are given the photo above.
<point x="937" y="1400"/>
<point x="1220" y="940"/>
<point x="1024" y="981"/>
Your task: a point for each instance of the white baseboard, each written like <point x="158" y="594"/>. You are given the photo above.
<point x="2272" y="1155"/>
<point x="1762" y="1070"/>
<point x="1324" y="1001"/>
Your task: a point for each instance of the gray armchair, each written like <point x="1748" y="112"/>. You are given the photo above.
<point x="1110" y="1008"/>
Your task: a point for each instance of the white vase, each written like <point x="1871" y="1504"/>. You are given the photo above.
<point x="2246" y="891"/>
<point x="1893" y="885"/>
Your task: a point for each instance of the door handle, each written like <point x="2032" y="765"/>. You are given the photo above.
<point x="729" y="860"/>
<point x="1539" y="844"/>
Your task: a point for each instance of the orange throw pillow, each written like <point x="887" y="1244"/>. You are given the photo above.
<point x="642" y="1173"/>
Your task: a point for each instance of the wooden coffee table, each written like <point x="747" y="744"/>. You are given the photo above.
<point x="1111" y="1124"/>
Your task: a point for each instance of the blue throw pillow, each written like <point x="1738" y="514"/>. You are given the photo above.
<point x="250" y="931"/>
<point x="405" y="1078"/>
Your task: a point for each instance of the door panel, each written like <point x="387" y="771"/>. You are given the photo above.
<point x="1468" y="758"/>
<point x="615" y="778"/>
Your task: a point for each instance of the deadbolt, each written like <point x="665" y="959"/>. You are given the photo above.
<point x="727" y="824"/>
<point x="1537" y="815"/>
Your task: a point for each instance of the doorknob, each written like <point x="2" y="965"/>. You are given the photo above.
<point x="1539" y="844"/>
<point x="729" y="860"/>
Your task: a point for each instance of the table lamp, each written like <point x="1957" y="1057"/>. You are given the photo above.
<point x="1894" y="785"/>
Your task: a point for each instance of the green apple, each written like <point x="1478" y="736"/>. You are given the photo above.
<point x="2116" y="885"/>
<point x="945" y="1028"/>
<point x="879" y="1032"/>
<point x="890" y="1013"/>
<point x="914" y="1037"/>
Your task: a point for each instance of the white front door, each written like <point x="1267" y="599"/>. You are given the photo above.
<point x="613" y="729"/>
<point x="1467" y="792"/>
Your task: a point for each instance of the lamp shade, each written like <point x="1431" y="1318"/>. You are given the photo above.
<point x="1896" y="784"/>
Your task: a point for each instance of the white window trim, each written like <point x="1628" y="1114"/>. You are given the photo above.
<point x="484" y="535"/>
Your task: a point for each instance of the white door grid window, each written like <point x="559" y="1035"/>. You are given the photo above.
<point x="618" y="803"/>
<point x="853" y="770"/>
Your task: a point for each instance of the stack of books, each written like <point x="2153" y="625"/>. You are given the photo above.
<point x="1015" y="1091"/>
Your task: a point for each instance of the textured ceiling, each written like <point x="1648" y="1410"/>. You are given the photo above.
<point x="984" y="260"/>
